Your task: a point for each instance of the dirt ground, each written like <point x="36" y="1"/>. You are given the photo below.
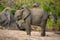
<point x="21" y="35"/>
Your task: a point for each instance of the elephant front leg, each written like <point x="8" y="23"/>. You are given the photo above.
<point x="28" y="30"/>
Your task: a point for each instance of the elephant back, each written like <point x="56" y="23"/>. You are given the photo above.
<point x="38" y="15"/>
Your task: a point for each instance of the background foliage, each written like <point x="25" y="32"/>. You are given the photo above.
<point x="47" y="5"/>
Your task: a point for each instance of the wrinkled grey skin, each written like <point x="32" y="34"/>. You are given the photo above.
<point x="22" y="14"/>
<point x="27" y="12"/>
<point x="3" y="19"/>
<point x="7" y="19"/>
<point x="36" y="16"/>
<point x="39" y="17"/>
<point x="17" y="17"/>
<point x="5" y="16"/>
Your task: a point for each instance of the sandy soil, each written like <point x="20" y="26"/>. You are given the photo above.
<point x="21" y="35"/>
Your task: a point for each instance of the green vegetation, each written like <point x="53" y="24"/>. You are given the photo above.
<point x="1" y="8"/>
<point x="47" y="5"/>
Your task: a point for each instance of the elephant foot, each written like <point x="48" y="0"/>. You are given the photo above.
<point x="28" y="37"/>
<point x="43" y="34"/>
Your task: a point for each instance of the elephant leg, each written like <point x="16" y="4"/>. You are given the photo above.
<point x="43" y="28"/>
<point x="28" y="28"/>
<point x="43" y="31"/>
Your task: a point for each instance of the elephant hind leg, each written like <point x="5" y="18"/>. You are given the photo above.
<point x="43" y="28"/>
<point x="43" y="32"/>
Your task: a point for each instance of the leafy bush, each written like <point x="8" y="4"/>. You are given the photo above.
<point x="47" y="5"/>
<point x="58" y="25"/>
<point x="1" y="8"/>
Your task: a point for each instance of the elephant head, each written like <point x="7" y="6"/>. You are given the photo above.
<point x="5" y="16"/>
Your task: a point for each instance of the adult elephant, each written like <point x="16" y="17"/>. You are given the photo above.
<point x="35" y="16"/>
<point x="39" y="17"/>
<point x="23" y="17"/>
